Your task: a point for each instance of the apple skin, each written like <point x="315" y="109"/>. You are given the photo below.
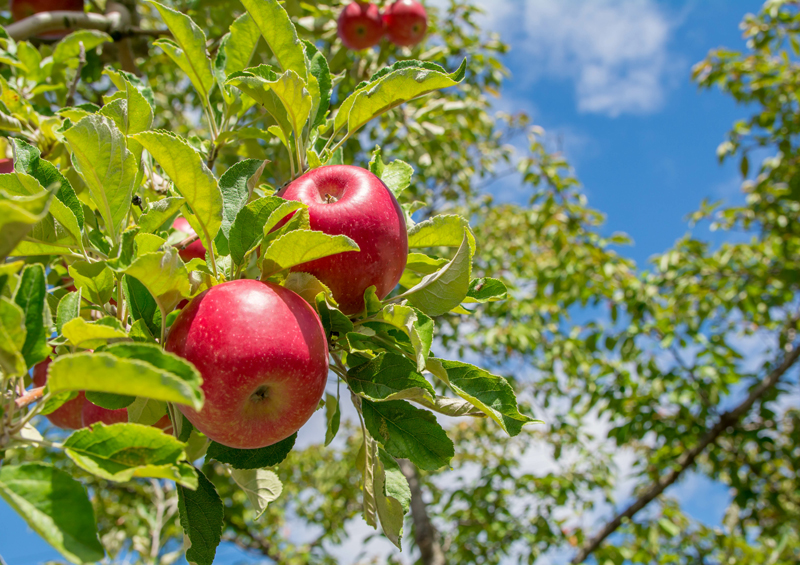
<point x="68" y="416"/>
<point x="93" y="414"/>
<point x="366" y="211"/>
<point x="406" y="22"/>
<point x="21" y="9"/>
<point x="360" y="25"/>
<point x="262" y="352"/>
<point x="196" y="249"/>
<point x="6" y="166"/>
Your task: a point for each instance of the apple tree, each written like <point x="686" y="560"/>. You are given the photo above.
<point x="114" y="181"/>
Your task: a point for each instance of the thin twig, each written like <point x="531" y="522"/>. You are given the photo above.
<point x="73" y="87"/>
<point x="31" y="396"/>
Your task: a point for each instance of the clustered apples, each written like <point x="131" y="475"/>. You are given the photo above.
<point x="361" y="25"/>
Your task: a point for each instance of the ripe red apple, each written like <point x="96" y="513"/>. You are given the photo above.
<point x="348" y="200"/>
<point x="93" y="414"/>
<point x="360" y="25"/>
<point x="68" y="416"/>
<point x="262" y="352"/>
<point x="21" y="9"/>
<point x="196" y="249"/>
<point x="406" y="22"/>
<point x="6" y="166"/>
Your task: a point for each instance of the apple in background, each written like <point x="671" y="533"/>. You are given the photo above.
<point x="196" y="249"/>
<point x="262" y="352"/>
<point x="348" y="200"/>
<point x="68" y="416"/>
<point x="21" y="9"/>
<point x="93" y="414"/>
<point x="6" y="166"/>
<point x="360" y="25"/>
<point x="406" y="22"/>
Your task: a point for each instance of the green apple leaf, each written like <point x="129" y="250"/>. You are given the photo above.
<point x="136" y="114"/>
<point x="490" y="393"/>
<point x="12" y="338"/>
<point x="301" y="246"/>
<point x="256" y="83"/>
<point x="159" y="212"/>
<point x="96" y="280"/>
<point x="389" y="376"/>
<point x="416" y="325"/>
<point x="55" y="506"/>
<point x="69" y="47"/>
<point x="333" y="320"/>
<point x="30" y="297"/>
<point x="396" y="484"/>
<point x="260" y="485"/>
<point x="187" y="49"/>
<point x="192" y="179"/>
<point x="252" y="458"/>
<point x="18" y="215"/>
<point x="417" y="266"/>
<point x="389" y="509"/>
<point x="486" y="290"/>
<point x="237" y="186"/>
<point x="90" y="335"/>
<point x="280" y="34"/>
<point x="408" y="432"/>
<point x="101" y="156"/>
<point x="396" y="175"/>
<point x="145" y="243"/>
<point x="28" y="160"/>
<point x="247" y="229"/>
<point x="104" y="372"/>
<point x="109" y="400"/>
<point x="236" y="50"/>
<point x="202" y="518"/>
<point x="439" y="231"/>
<point x="146" y="411"/>
<point x="164" y="275"/>
<point x="143" y="306"/>
<point x="69" y="308"/>
<point x="440" y="292"/>
<point x="333" y="416"/>
<point x="121" y="452"/>
<point x="318" y="68"/>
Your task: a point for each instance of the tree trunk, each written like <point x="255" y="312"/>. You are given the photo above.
<point x="424" y="533"/>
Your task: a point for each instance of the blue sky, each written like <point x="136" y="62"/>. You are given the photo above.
<point x="611" y="79"/>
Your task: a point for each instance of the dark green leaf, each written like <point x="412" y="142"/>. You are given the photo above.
<point x="252" y="458"/>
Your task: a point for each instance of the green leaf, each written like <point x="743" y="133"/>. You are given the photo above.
<point x="333" y="320"/>
<point x="69" y="47"/>
<point x="202" y="517"/>
<point x="187" y="49"/>
<point x="252" y="458"/>
<point x="96" y="280"/>
<point x="104" y="372"/>
<point x="408" y="432"/>
<point x="280" y="34"/>
<point x="121" y="452"/>
<point x="146" y="411"/>
<point x="164" y="276"/>
<point x="440" y="292"/>
<point x="143" y="306"/>
<point x="333" y="416"/>
<point x="192" y="179"/>
<point x="109" y="400"/>
<point x="486" y="290"/>
<point x="69" y="308"/>
<point x="18" y="215"/>
<point x="120" y="78"/>
<point x="396" y="484"/>
<point x="416" y="325"/>
<point x="247" y="229"/>
<point x="136" y="114"/>
<point x="238" y="50"/>
<point x="30" y="297"/>
<point x="490" y="393"/>
<point x="91" y="335"/>
<point x="101" y="156"/>
<point x="301" y="246"/>
<point x="260" y="485"/>
<point x="396" y="175"/>
<point x="12" y="338"/>
<point x="391" y="90"/>
<point x="318" y="67"/>
<point x="256" y="82"/>
<point x="237" y="186"/>
<point x="439" y="231"/>
<point x="28" y="160"/>
<point x="389" y="509"/>
<point x="389" y="376"/>
<point x="159" y="212"/>
<point x="55" y="506"/>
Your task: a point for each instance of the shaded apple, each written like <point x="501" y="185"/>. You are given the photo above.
<point x="351" y="201"/>
<point x="6" y="166"/>
<point x="406" y="22"/>
<point x="21" y="9"/>
<point x="360" y="25"/>
<point x="68" y="416"/>
<point x="262" y="352"/>
<point x="93" y="414"/>
<point x="196" y="249"/>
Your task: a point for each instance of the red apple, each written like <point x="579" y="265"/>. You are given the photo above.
<point x="6" y="166"/>
<point x="406" y="22"/>
<point x="196" y="249"/>
<point x="93" y="414"/>
<point x="351" y="201"/>
<point x="21" y="9"/>
<point x="360" y="25"/>
<point x="68" y="416"/>
<point x="262" y="352"/>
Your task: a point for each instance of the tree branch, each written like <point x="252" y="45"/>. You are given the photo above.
<point x="686" y="460"/>
<point x="424" y="533"/>
<point x="30" y="397"/>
